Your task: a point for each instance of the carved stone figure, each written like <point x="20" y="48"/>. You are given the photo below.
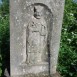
<point x="35" y="29"/>
<point x="36" y="38"/>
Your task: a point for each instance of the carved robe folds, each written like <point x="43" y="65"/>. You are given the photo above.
<point x="36" y="41"/>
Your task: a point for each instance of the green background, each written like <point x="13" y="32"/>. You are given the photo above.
<point x="67" y="63"/>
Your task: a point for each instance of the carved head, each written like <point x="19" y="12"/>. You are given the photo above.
<point x="38" y="11"/>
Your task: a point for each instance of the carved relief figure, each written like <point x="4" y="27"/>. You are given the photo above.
<point x="36" y="43"/>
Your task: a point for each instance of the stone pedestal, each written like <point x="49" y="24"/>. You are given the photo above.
<point x="35" y="29"/>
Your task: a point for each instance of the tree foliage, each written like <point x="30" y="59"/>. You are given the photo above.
<point x="68" y="50"/>
<point x="4" y="36"/>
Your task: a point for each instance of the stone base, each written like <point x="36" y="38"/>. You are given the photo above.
<point x="40" y="75"/>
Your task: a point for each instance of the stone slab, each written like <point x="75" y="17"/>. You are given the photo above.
<point x="26" y="27"/>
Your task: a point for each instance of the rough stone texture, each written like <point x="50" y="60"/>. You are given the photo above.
<point x="35" y="29"/>
<point x="40" y="75"/>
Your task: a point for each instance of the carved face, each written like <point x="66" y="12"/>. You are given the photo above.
<point x="38" y="12"/>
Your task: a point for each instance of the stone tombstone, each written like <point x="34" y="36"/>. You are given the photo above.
<point x="35" y="29"/>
